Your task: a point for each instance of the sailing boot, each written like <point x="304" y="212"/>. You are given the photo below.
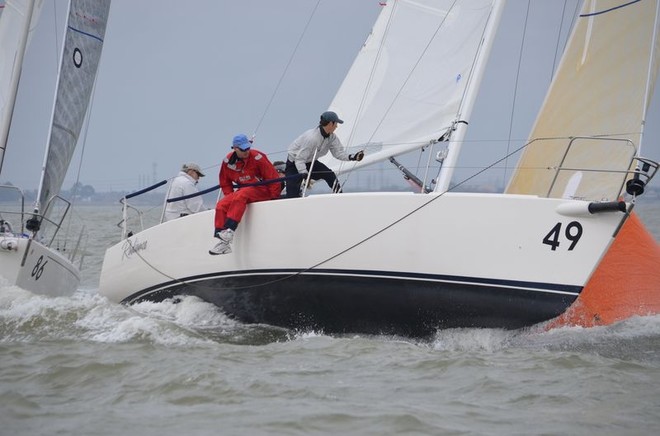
<point x="226" y="237"/>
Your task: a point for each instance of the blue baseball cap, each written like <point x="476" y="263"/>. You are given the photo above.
<point x="241" y="141"/>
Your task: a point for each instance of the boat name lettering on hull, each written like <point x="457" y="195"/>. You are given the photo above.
<point x="131" y="248"/>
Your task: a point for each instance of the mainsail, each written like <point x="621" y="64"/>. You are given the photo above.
<point x="408" y="84"/>
<point x="595" y="110"/>
<point x="16" y="24"/>
<point x="80" y="60"/>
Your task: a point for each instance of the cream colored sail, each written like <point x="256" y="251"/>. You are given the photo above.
<point x="601" y="89"/>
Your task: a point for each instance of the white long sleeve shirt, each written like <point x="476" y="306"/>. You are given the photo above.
<point x="301" y="151"/>
<point x="183" y="184"/>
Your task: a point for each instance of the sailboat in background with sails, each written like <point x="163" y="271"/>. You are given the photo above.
<point x="561" y="243"/>
<point x="29" y="254"/>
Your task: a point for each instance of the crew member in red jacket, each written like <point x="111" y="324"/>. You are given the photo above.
<point x="243" y="166"/>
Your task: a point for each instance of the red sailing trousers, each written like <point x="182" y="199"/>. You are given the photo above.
<point x="233" y="205"/>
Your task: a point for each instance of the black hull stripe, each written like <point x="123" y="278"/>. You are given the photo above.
<point x="551" y="288"/>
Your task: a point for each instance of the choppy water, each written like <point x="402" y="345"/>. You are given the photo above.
<point x="82" y="365"/>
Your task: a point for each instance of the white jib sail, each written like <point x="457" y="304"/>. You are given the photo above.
<point x="83" y="43"/>
<point x="18" y="19"/>
<point x="408" y="82"/>
<point x="601" y="89"/>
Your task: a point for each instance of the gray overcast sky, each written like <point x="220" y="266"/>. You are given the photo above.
<point x="176" y="83"/>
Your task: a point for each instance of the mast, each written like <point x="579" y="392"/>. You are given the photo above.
<point x="456" y="137"/>
<point x="37" y="203"/>
<point x="651" y="76"/>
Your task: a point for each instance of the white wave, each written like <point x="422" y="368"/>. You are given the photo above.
<point x="186" y="311"/>
<point x="621" y="336"/>
<point x="170" y="322"/>
<point x="636" y="327"/>
<point x="88" y="316"/>
<point x="189" y="321"/>
<point x="489" y="340"/>
<point x="307" y="335"/>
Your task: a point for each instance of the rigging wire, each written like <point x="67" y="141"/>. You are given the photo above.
<point x="419" y="165"/>
<point x="367" y="88"/>
<point x="56" y="39"/>
<point x="372" y="73"/>
<point x="554" y="64"/>
<point x="561" y="26"/>
<point x="515" y="94"/>
<point x="286" y="68"/>
<point x="76" y="185"/>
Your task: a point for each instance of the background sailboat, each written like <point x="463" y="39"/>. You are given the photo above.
<point x="30" y="257"/>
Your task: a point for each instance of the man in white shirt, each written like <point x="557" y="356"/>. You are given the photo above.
<point x="311" y="145"/>
<point x="185" y="184"/>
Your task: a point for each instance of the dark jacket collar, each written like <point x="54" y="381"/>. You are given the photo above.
<point x="323" y="132"/>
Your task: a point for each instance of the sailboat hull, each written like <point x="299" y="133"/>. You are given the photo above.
<point x="360" y="301"/>
<point x="375" y="263"/>
<point x="32" y="266"/>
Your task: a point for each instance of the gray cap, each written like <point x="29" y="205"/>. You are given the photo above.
<point x="331" y="116"/>
<point x="192" y="166"/>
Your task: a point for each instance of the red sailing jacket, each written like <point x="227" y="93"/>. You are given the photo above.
<point x="254" y="168"/>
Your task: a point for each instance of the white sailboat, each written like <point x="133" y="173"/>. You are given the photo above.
<point x="29" y="254"/>
<point x="560" y="244"/>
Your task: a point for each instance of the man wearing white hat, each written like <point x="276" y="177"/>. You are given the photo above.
<point x="185" y="184"/>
